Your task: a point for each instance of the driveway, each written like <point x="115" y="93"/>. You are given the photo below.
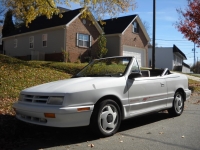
<point x="156" y="131"/>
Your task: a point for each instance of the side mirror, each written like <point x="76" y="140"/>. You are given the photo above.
<point x="134" y="75"/>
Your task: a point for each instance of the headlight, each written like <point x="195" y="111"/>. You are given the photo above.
<point x="21" y="97"/>
<point x="54" y="100"/>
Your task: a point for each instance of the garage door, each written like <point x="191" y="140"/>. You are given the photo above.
<point x="138" y="53"/>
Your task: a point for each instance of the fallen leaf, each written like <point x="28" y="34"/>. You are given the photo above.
<point x="91" y="145"/>
<point x="161" y="133"/>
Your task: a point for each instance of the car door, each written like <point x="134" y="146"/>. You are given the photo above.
<point x="147" y="94"/>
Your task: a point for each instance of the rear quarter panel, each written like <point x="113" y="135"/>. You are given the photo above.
<point x="174" y="82"/>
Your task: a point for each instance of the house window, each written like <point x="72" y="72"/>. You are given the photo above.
<point x="135" y="27"/>
<point x="31" y="42"/>
<point x="15" y="43"/>
<point x="44" y="40"/>
<point x="83" y="40"/>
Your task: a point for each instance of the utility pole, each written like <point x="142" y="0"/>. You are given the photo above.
<point x="197" y="66"/>
<point x="154" y="34"/>
<point x="194" y="53"/>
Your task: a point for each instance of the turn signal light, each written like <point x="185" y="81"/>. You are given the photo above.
<point x="49" y="115"/>
<point x="83" y="109"/>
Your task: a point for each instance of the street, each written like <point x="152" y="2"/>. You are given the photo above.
<point x="156" y="131"/>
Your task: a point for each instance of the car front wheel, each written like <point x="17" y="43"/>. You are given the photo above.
<point x="106" y="119"/>
<point x="178" y="105"/>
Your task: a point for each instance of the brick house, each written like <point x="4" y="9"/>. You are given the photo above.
<point x="127" y="36"/>
<point x="46" y="39"/>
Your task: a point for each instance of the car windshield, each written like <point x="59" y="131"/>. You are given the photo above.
<point x="110" y="67"/>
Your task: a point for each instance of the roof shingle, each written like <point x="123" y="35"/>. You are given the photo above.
<point x="42" y="22"/>
<point x="117" y="25"/>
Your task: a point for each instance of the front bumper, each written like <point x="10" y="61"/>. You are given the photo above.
<point x="64" y="116"/>
<point x="187" y="94"/>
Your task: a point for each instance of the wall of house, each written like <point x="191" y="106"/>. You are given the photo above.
<point x="71" y="41"/>
<point x="55" y="43"/>
<point x="185" y="69"/>
<point x="135" y="40"/>
<point x="113" y="45"/>
<point x="138" y="53"/>
<point x="178" y="60"/>
<point x="163" y="57"/>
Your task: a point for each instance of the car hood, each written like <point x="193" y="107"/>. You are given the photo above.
<point x="75" y="85"/>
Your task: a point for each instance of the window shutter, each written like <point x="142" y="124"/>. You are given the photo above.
<point x="90" y="40"/>
<point x="133" y="27"/>
<point x="76" y="39"/>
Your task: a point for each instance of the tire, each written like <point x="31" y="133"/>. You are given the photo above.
<point x="106" y="118"/>
<point x="178" y="105"/>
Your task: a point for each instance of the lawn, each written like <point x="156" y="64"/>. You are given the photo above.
<point x="194" y="86"/>
<point x="16" y="75"/>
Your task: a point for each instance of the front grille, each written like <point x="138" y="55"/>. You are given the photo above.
<point x="35" y="99"/>
<point x="32" y="119"/>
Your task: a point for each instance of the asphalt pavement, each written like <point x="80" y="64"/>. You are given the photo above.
<point x="158" y="131"/>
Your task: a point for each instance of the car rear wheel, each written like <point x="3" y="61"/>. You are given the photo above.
<point x="106" y="118"/>
<point x="178" y="105"/>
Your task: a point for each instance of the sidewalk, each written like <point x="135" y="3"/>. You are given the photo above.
<point x="193" y="78"/>
<point x="190" y="77"/>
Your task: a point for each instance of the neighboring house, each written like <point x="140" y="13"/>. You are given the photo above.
<point x="169" y="57"/>
<point x="126" y="36"/>
<point x="185" y="68"/>
<point x="46" y="39"/>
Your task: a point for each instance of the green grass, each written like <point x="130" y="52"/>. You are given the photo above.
<point x="16" y="75"/>
<point x="194" y="86"/>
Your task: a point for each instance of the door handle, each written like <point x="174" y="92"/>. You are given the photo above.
<point x="162" y="84"/>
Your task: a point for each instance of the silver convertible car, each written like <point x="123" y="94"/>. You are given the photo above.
<point x="103" y="94"/>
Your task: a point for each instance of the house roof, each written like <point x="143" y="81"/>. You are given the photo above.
<point x="177" y="50"/>
<point x="186" y="65"/>
<point x="42" y="22"/>
<point x="119" y="25"/>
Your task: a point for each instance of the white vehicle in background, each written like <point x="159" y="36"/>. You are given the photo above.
<point x="103" y="94"/>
